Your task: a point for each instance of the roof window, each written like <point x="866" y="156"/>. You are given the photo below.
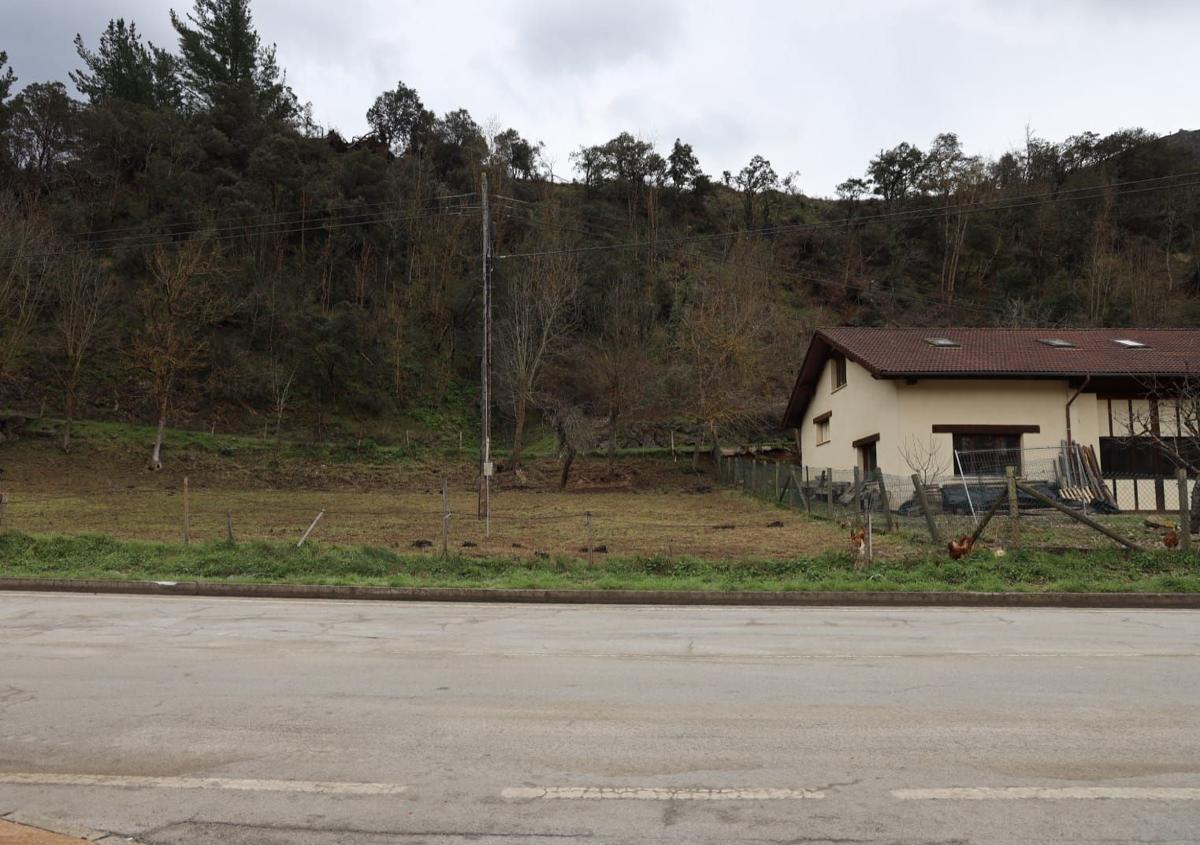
<point x="943" y="342"/>
<point x="1129" y="344"/>
<point x="1057" y="342"/>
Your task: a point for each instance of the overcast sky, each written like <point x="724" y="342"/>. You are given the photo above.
<point x="815" y="87"/>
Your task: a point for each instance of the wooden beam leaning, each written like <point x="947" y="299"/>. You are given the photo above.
<point x="884" y="501"/>
<point x="1078" y="517"/>
<point x="987" y="517"/>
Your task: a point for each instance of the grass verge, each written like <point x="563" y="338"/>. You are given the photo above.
<point x="91" y="556"/>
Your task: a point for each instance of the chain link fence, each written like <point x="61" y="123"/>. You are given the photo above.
<point x="1057" y="499"/>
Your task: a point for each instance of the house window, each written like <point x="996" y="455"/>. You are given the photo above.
<point x="986" y="454"/>
<point x="822" y="425"/>
<point x="837" y="370"/>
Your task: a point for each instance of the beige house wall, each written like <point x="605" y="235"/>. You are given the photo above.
<point x="864" y="406"/>
<point x="903" y="415"/>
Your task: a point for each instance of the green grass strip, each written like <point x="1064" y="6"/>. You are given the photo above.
<point x="98" y="557"/>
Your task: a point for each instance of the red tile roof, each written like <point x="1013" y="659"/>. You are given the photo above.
<point x="992" y="352"/>
<point x="998" y="353"/>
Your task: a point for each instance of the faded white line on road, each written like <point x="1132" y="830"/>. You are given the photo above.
<point x="1049" y="793"/>
<point x="647" y="793"/>
<point x="235" y="784"/>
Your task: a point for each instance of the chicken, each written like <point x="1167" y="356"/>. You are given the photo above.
<point x="1171" y="539"/>
<point x="858" y="545"/>
<point x="858" y="542"/>
<point x="960" y="548"/>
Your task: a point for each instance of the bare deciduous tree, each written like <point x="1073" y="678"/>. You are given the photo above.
<point x="178" y="305"/>
<point x="25" y="259"/>
<point x="725" y="344"/>
<point x="281" y="389"/>
<point x="535" y="319"/>
<point x="83" y="289"/>
<point x="623" y="368"/>
<point x="923" y="458"/>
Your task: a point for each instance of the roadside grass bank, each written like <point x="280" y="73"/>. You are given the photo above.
<point x="98" y="557"/>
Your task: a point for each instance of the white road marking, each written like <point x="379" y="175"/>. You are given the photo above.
<point x="1049" y="793"/>
<point x="236" y="784"/>
<point x="646" y="793"/>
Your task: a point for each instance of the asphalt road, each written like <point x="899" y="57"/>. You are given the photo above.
<point x="263" y="721"/>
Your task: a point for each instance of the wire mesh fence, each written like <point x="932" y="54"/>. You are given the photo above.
<point x="1055" y="499"/>
<point x="522" y="523"/>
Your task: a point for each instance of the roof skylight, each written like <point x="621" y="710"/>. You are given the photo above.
<point x="943" y="342"/>
<point x="1129" y="344"/>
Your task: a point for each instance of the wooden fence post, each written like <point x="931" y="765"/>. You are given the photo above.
<point x="588" y="522"/>
<point x="3" y="508"/>
<point x="858" y="489"/>
<point x="807" y="472"/>
<point x="445" y="520"/>
<point x="310" y="528"/>
<point x="1014" y="507"/>
<point x="829" y="490"/>
<point x="1185" y="513"/>
<point x="776" y="480"/>
<point x="187" y="514"/>
<point x="923" y="501"/>
<point x="229" y="526"/>
<point x="885" y="500"/>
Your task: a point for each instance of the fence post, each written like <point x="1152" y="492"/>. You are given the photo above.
<point x="187" y="515"/>
<point x="587" y="517"/>
<point x="922" y="499"/>
<point x="445" y="519"/>
<point x="3" y="508"/>
<point x="229" y="526"/>
<point x="1185" y="513"/>
<point x="776" y="496"/>
<point x="806" y="471"/>
<point x="316" y="519"/>
<point x="858" y="489"/>
<point x="1014" y="506"/>
<point x="884" y="500"/>
<point x="829" y="490"/>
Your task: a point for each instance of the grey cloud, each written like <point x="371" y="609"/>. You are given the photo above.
<point x="580" y="38"/>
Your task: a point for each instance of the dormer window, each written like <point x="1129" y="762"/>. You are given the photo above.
<point x="1129" y="344"/>
<point x="837" y="371"/>
<point x="1057" y="342"/>
<point x="942" y="342"/>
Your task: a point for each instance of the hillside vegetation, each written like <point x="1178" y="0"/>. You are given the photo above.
<point x="181" y="242"/>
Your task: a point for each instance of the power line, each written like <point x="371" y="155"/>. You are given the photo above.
<point x="316" y="209"/>
<point x="845" y="285"/>
<point x="288" y="228"/>
<point x="1008" y="203"/>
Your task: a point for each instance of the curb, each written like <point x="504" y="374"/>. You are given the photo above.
<point x="1162" y="601"/>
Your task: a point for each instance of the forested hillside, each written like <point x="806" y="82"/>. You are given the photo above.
<point x="181" y="240"/>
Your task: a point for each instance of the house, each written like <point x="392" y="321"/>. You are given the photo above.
<point x="886" y="398"/>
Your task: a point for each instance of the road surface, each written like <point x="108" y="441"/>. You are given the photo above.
<point x="174" y="720"/>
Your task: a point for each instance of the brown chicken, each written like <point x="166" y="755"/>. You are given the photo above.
<point x="960" y="548"/>
<point x="1171" y="539"/>
<point x="858" y="541"/>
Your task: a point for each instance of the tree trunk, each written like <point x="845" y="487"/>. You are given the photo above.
<point x="567" y="460"/>
<point x="612" y="439"/>
<point x="66" y="441"/>
<point x="156" y="456"/>
<point x="519" y="408"/>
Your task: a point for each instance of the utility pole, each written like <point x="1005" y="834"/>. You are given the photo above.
<point x="485" y="375"/>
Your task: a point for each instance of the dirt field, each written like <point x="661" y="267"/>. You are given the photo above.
<point x="647" y="506"/>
